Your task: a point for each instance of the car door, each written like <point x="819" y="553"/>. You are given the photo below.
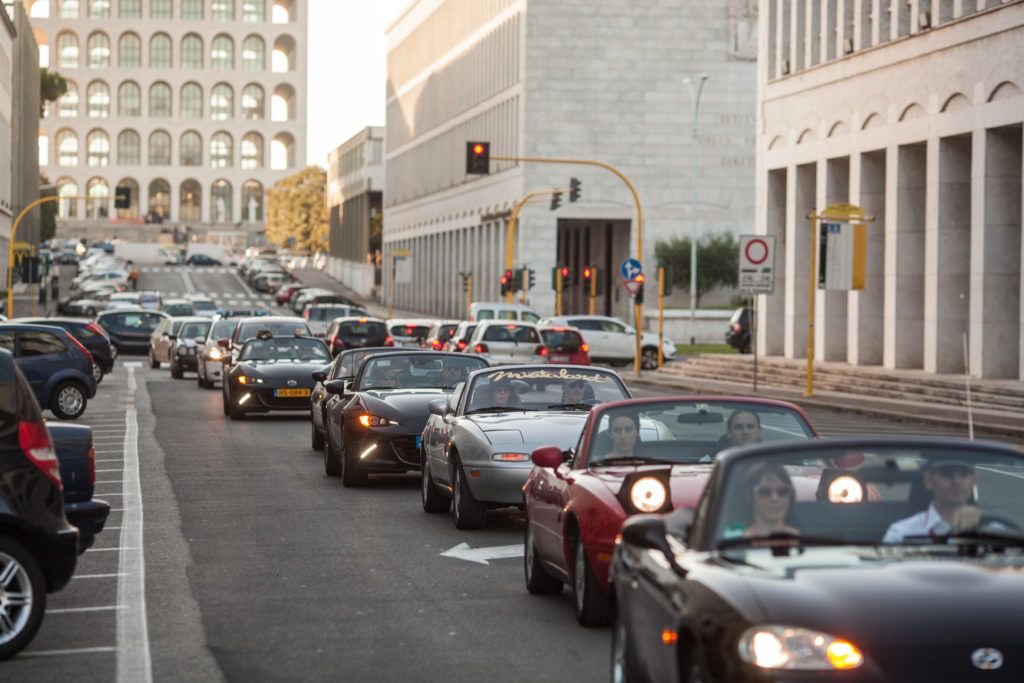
<point x="436" y="435"/>
<point x="526" y="342"/>
<point x="593" y="334"/>
<point x="40" y="355"/>
<point x="551" y="493"/>
<point x="621" y="339"/>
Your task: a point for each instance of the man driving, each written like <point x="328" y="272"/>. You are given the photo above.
<point x="452" y="374"/>
<point x="743" y="427"/>
<point x="951" y="483"/>
<point x="575" y="391"/>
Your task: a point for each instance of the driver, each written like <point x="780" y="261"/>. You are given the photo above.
<point x="576" y="391"/>
<point x="503" y="395"/>
<point x="452" y="374"/>
<point x="743" y="427"/>
<point x="951" y="483"/>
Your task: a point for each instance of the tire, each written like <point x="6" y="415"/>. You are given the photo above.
<point x="97" y="373"/>
<point x="332" y="468"/>
<point x="432" y="499"/>
<point x="115" y="351"/>
<point x="649" y="358"/>
<point x="593" y="608"/>
<point x="91" y="312"/>
<point x="317" y="437"/>
<point x="538" y="581"/>
<point x="624" y="669"/>
<point x="153" y="362"/>
<point x="236" y="412"/>
<point x="25" y="578"/>
<point x="176" y="371"/>
<point x="350" y="476"/>
<point x="68" y="400"/>
<point x="469" y="513"/>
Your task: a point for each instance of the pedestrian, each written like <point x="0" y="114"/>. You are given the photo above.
<point x="133" y="277"/>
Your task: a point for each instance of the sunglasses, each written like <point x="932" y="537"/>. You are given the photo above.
<point x="950" y="471"/>
<point x="577" y="385"/>
<point x="766" y="490"/>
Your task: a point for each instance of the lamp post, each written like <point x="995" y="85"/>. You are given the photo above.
<point x="695" y="158"/>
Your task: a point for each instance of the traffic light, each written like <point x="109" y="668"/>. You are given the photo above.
<point x="667" y="287"/>
<point x="532" y="278"/>
<point x="556" y="200"/>
<point x="506" y="282"/>
<point x="574" y="189"/>
<point x="565" y="274"/>
<point x="638" y="298"/>
<point x="465" y="281"/>
<point x="478" y="158"/>
<point x="123" y="198"/>
<point x="517" y="280"/>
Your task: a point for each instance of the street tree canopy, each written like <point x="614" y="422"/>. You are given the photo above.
<point x="52" y="86"/>
<point x="717" y="261"/>
<point x="297" y="212"/>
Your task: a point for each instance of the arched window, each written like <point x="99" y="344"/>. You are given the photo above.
<point x="43" y="42"/>
<point x="129" y="9"/>
<point x="251" y="152"/>
<point x="191" y="101"/>
<point x="282" y="103"/>
<point x="159" y="148"/>
<point x="40" y="9"/>
<point x="254" y="54"/>
<point x="67" y="148"/>
<point x="191" y="52"/>
<point x="252" y="102"/>
<point x="129" y="50"/>
<point x="161" y="9"/>
<point x="222" y="104"/>
<point x="67" y="105"/>
<point x="159" y="199"/>
<point x="98" y="204"/>
<point x="133" y="199"/>
<point x="68" y="189"/>
<point x="281" y="12"/>
<point x="160" y="51"/>
<point x="220" y="150"/>
<point x="221" y="210"/>
<point x="190" y="150"/>
<point x="252" y="201"/>
<point x="222" y="52"/>
<point x="192" y="9"/>
<point x="254" y="11"/>
<point x="160" y="99"/>
<point x="68" y="9"/>
<point x="222" y="10"/>
<point x="129" y="148"/>
<point x="98" y="47"/>
<point x="99" y="9"/>
<point x="67" y="50"/>
<point x="97" y="100"/>
<point x="282" y="152"/>
<point x="97" y="149"/>
<point x="129" y="99"/>
<point x="282" y="60"/>
<point x="190" y="201"/>
<point x="44" y="148"/>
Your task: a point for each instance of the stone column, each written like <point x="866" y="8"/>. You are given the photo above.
<point x="830" y="338"/>
<point x="904" y="256"/>
<point x="865" y="326"/>
<point x="772" y="308"/>
<point x="800" y="202"/>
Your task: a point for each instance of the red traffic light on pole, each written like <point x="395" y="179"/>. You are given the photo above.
<point x="478" y="158"/>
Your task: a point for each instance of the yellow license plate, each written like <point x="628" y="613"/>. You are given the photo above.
<point x="291" y="393"/>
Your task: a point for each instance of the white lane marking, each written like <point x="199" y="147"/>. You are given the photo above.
<point x="95" y="576"/>
<point x="133" y="660"/>
<point x="481" y="555"/>
<point x="114" y="481"/>
<point x="103" y="550"/>
<point x="186" y="277"/>
<point x="133" y="363"/>
<point x="73" y="610"/>
<point x="114" y="470"/>
<point x="58" y="653"/>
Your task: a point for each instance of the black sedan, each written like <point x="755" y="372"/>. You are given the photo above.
<point x="375" y="423"/>
<point x="273" y="373"/>
<point x="860" y="559"/>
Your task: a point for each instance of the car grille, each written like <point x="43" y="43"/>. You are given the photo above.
<point x="268" y="399"/>
<point x="405" y="450"/>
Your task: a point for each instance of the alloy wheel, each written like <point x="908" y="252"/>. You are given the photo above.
<point x="70" y="400"/>
<point x="15" y="598"/>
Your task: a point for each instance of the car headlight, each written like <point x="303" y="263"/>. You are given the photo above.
<point x="216" y="354"/>
<point x="367" y="420"/>
<point x="249" y="379"/>
<point x="801" y="649"/>
<point x="648" y="494"/>
<point x="182" y="351"/>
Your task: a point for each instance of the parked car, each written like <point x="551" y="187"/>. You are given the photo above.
<point x="357" y="333"/>
<point x="73" y="445"/>
<point x="270" y="282"/>
<point x="481" y="310"/>
<point x="613" y="341"/>
<point x="177" y="308"/>
<point x="201" y="260"/>
<point x="738" y="334"/>
<point x="122" y="299"/>
<point x="285" y="293"/>
<point x="410" y="332"/>
<point x="129" y="330"/>
<point x="56" y="365"/>
<point x="563" y="345"/>
<point x="502" y="342"/>
<point x="319" y="316"/>
<point x="184" y="351"/>
<point x="38" y="547"/>
<point x="151" y="300"/>
<point x="305" y="296"/>
<point x="93" y="337"/>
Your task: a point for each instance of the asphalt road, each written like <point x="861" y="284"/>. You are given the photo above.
<point x="259" y="567"/>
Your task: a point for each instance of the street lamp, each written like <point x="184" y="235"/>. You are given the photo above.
<point x="695" y="148"/>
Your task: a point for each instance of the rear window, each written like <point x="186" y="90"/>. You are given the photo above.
<point x="366" y="329"/>
<point x="507" y="315"/>
<point x="179" y="309"/>
<point x="204" y="306"/>
<point x="223" y="328"/>
<point x="278" y="329"/>
<point x="446" y="331"/>
<point x="410" y="330"/>
<point x="562" y="341"/>
<point x="511" y="333"/>
<point x="470" y="329"/>
<point x="134" y="320"/>
<point x="320" y="314"/>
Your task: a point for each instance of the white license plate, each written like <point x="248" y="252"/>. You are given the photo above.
<point x="559" y="359"/>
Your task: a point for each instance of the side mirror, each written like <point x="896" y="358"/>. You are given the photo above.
<point x="223" y="343"/>
<point x="336" y="387"/>
<point x="439" y="406"/>
<point x="647" y="532"/>
<point x="320" y="376"/>
<point x="547" y="456"/>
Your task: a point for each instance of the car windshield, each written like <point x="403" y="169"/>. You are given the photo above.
<point x="444" y="332"/>
<point x="285" y="349"/>
<point x="363" y="328"/>
<point x="322" y="313"/>
<point x="178" y="309"/>
<point x="417" y="371"/>
<point x="350" y="360"/>
<point x="517" y="334"/>
<point x="193" y="330"/>
<point x="204" y="305"/>
<point x="223" y="328"/>
<point x="410" y="330"/>
<point x="905" y="495"/>
<point x="543" y="389"/>
<point x="278" y="329"/>
<point x="689" y="431"/>
<point x="562" y="341"/>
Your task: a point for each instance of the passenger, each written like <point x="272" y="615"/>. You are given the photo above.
<point x="771" y="499"/>
<point x="742" y="428"/>
<point x="951" y="483"/>
<point x="625" y="432"/>
<point x="576" y="391"/>
<point x="452" y="374"/>
<point x="503" y="395"/>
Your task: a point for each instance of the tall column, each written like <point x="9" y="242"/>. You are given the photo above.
<point x="866" y="307"/>
<point x="905" y="256"/>
<point x="772" y="308"/>
<point x="830" y="340"/>
<point x="798" y="267"/>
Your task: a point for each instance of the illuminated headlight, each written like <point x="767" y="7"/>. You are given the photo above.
<point x="797" y="649"/>
<point x="845" y="489"/>
<point x="374" y="421"/>
<point x="248" y="379"/>
<point x="648" y="494"/>
<point x="215" y="354"/>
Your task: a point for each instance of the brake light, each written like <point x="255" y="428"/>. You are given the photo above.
<point x="480" y="348"/>
<point x="541" y="351"/>
<point x="35" y="443"/>
<point x="337" y="342"/>
<point x="436" y="344"/>
<point x="306" y="314"/>
<point x="460" y="345"/>
<point x="92" y="465"/>
<point x="736" y="327"/>
<point x="409" y="330"/>
<point x="585" y="348"/>
<point x="389" y="341"/>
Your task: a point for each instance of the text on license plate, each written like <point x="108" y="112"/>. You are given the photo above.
<point x="559" y="359"/>
<point x="291" y="393"/>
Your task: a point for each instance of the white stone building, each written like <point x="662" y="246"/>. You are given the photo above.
<point x="590" y="79"/>
<point x="7" y="34"/>
<point x="197" y="106"/>
<point x="914" y="111"/>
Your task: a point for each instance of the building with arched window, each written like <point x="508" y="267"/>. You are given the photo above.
<point x="180" y="104"/>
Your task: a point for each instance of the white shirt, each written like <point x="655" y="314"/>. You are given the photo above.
<point x="924" y="523"/>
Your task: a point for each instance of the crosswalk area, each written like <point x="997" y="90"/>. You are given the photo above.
<point x="227" y="298"/>
<point x="219" y="270"/>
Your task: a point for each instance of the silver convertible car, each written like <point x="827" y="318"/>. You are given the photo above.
<point x="477" y="444"/>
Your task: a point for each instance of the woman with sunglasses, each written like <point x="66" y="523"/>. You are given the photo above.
<point x="772" y="494"/>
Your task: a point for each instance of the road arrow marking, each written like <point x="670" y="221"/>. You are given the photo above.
<point x="481" y="555"/>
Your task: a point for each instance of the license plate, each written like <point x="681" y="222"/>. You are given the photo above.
<point x="559" y="359"/>
<point x="419" y="440"/>
<point x="291" y="393"/>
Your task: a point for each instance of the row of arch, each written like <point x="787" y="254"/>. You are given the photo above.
<point x="252" y="11"/>
<point x="160" y="53"/>
<point x="99" y="104"/>
<point x="158" y="196"/>
<point x="159" y="152"/>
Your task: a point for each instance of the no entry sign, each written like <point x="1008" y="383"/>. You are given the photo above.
<point x="757" y="264"/>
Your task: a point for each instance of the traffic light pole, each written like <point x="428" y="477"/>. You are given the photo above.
<point x="592" y="294"/>
<point x="10" y="250"/>
<point x="661" y="316"/>
<point x="513" y="222"/>
<point x="558" y="292"/>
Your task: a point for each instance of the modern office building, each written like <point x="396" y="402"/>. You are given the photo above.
<point x="912" y="111"/>
<point x="355" y="182"/>
<point x="195" y="106"/>
<point x="602" y="80"/>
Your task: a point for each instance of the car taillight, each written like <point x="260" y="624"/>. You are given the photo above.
<point x="35" y="443"/>
<point x="81" y="348"/>
<point x="436" y="344"/>
<point x="480" y="348"/>
<point x="736" y="328"/>
<point x="461" y="345"/>
<point x="92" y="465"/>
<point x="585" y="348"/>
<point x="98" y="330"/>
<point x="306" y="314"/>
<point x="541" y="351"/>
<point x="389" y="341"/>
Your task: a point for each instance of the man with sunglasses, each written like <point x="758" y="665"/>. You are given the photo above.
<point x="575" y="391"/>
<point x="951" y="483"/>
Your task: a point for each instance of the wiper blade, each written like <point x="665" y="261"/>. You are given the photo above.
<point x="570" y="406"/>
<point x="968" y="537"/>
<point x="495" y="409"/>
<point x="781" y="538"/>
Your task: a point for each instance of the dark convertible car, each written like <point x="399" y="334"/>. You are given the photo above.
<point x="273" y="373"/>
<point x="375" y="424"/>
<point x="858" y="559"/>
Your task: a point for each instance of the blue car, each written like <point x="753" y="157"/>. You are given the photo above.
<point x="56" y="365"/>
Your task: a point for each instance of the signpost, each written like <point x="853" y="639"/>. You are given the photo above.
<point x="757" y="276"/>
<point x="400" y="275"/>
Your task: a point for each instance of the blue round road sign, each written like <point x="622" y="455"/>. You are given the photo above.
<point x="630" y="268"/>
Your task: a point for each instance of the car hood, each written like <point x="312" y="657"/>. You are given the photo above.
<point x="882" y="598"/>
<point x="277" y="373"/>
<point x="687" y="481"/>
<point x="409" y="408"/>
<point x="531" y="430"/>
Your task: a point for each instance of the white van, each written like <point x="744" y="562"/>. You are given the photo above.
<point x="501" y="311"/>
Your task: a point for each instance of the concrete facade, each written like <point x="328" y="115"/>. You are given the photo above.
<point x="197" y="106"/>
<point x="914" y="111"/>
<point x="25" y="125"/>
<point x="590" y="79"/>
<point x="355" y="183"/>
<point x="7" y="36"/>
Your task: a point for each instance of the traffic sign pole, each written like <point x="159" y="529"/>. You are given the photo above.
<point x="558" y="292"/>
<point x="513" y="223"/>
<point x="661" y="316"/>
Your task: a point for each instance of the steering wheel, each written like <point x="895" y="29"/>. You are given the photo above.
<point x="988" y="520"/>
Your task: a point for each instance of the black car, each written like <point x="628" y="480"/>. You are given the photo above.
<point x="38" y="547"/>
<point x="202" y="260"/>
<point x="375" y="425"/>
<point x="129" y="329"/>
<point x="829" y="560"/>
<point x="73" y="445"/>
<point x="273" y="373"/>
<point x="92" y="336"/>
<point x="343" y="366"/>
<point x="738" y="334"/>
<point x="357" y="333"/>
<point x="186" y="346"/>
<point x="250" y="328"/>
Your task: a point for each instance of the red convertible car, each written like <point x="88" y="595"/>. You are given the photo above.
<point x="634" y="456"/>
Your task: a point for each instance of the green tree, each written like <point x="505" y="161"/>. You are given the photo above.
<point x="717" y="261"/>
<point x="297" y="210"/>
<point x="47" y="210"/>
<point x="51" y="86"/>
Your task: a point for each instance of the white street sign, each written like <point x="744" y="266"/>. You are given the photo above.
<point x="481" y="555"/>
<point x="403" y="270"/>
<point x="757" y="264"/>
